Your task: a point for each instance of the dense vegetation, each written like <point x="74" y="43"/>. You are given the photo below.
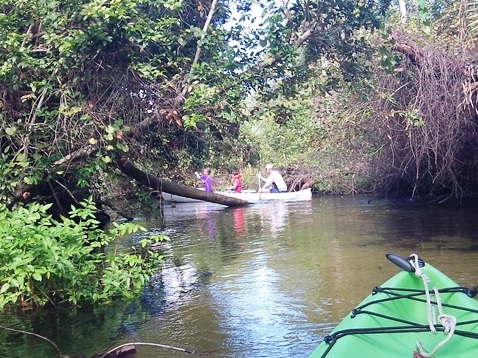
<point x="354" y="96"/>
<point x="49" y="262"/>
<point x="167" y="84"/>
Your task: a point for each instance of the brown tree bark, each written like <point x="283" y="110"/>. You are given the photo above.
<point x="177" y="189"/>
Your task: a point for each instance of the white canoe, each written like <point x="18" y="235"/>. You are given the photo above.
<point x="249" y="196"/>
<point x="178" y="199"/>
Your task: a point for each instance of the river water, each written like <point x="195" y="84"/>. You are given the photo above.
<point x="267" y="280"/>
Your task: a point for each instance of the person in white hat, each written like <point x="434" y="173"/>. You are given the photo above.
<point x="274" y="183"/>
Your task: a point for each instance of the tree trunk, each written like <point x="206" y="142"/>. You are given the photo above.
<point x="173" y="188"/>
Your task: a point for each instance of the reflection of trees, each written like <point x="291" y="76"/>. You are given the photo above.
<point x="92" y="327"/>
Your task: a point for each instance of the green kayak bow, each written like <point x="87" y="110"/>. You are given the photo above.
<point x="419" y="312"/>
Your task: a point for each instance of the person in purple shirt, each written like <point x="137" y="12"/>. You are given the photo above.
<point x="207" y="179"/>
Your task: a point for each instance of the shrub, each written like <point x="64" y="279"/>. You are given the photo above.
<point x="43" y="260"/>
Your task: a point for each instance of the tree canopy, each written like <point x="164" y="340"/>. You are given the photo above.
<point x="160" y="82"/>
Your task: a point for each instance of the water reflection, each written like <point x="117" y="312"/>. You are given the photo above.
<point x="239" y="222"/>
<point x="262" y="313"/>
<point x="206" y="214"/>
<point x="273" y="217"/>
<point x="267" y="280"/>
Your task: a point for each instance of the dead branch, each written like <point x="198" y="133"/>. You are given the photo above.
<point x="84" y="151"/>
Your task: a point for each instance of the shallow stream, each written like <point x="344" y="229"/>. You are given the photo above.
<point x="268" y="280"/>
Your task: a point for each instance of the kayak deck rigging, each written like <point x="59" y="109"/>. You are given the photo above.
<point x="411" y="326"/>
<point x="400" y="310"/>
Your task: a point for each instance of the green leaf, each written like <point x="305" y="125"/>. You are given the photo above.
<point x="122" y="147"/>
<point x="5" y="287"/>
<point x="11" y="130"/>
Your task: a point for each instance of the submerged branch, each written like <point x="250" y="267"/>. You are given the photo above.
<point x="35" y="335"/>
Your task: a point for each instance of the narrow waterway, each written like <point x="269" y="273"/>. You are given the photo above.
<point x="268" y="280"/>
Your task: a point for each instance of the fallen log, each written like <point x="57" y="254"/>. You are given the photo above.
<point x="155" y="183"/>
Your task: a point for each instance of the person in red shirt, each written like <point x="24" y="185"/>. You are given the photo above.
<point x="236" y="182"/>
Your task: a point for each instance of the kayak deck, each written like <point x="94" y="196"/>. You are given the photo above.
<point x="394" y="316"/>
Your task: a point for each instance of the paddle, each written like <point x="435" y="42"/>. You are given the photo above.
<point x="259" y="183"/>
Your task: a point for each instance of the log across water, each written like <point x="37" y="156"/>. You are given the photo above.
<point x="174" y="188"/>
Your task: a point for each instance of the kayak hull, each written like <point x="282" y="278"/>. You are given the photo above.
<point x="386" y="326"/>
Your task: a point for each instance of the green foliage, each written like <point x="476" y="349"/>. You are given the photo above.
<point x="15" y="171"/>
<point x="58" y="64"/>
<point x="75" y="74"/>
<point x="46" y="261"/>
<point x="285" y="132"/>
